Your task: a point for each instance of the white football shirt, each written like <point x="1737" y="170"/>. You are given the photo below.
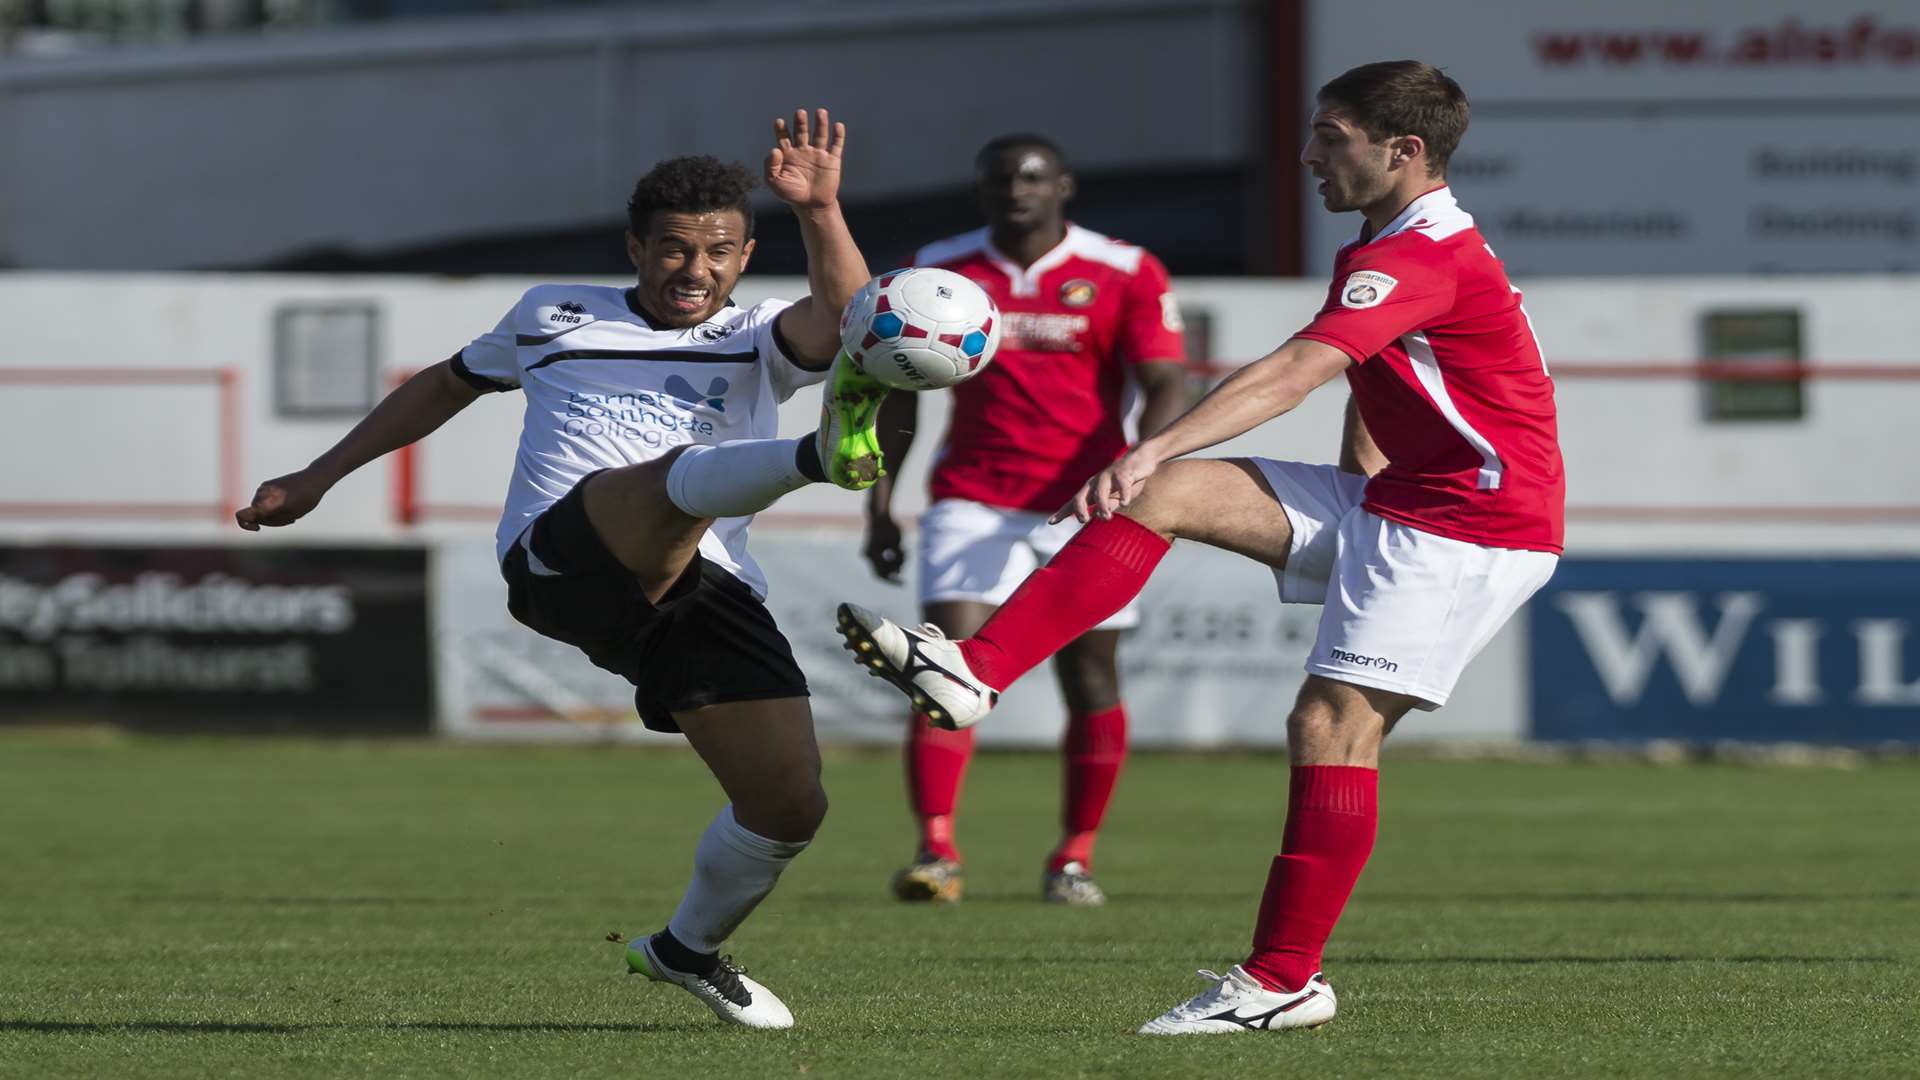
<point x="606" y="387"/>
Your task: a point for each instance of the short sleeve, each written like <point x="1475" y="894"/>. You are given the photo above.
<point x="1383" y="296"/>
<point x="491" y="362"/>
<point x="777" y="358"/>
<point x="1150" y="326"/>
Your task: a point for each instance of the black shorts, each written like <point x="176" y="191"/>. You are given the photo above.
<point x="709" y="639"/>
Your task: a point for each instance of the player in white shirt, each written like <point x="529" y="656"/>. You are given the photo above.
<point x="648" y="445"/>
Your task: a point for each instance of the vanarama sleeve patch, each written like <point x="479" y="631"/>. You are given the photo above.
<point x="1366" y="288"/>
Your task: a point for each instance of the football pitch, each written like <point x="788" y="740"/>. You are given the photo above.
<point x="199" y="907"/>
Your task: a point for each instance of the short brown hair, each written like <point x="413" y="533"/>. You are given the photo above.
<point x="1403" y="97"/>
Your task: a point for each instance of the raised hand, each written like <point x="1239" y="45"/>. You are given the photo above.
<point x="282" y="501"/>
<point x="804" y="166"/>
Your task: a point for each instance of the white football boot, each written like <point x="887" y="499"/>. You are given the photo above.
<point x="1237" y="1002"/>
<point x="726" y="989"/>
<point x="922" y="663"/>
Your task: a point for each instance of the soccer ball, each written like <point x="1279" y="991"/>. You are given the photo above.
<point x="921" y="328"/>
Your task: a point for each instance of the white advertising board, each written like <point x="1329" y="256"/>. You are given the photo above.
<point x="1776" y="136"/>
<point x="1216" y="661"/>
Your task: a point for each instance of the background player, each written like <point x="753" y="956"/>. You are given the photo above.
<point x="1417" y="566"/>
<point x="647" y="447"/>
<point x="1089" y="321"/>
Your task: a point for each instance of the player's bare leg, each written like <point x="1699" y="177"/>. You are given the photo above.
<point x="1093" y="751"/>
<point x="1221" y="502"/>
<point x="640" y="525"/>
<point x="936" y="762"/>
<point x="765" y="757"/>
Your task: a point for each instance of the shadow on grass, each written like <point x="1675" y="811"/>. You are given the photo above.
<point x="216" y="1027"/>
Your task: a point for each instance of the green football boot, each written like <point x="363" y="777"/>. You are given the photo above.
<point x="849" y="439"/>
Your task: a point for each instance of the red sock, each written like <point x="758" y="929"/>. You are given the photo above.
<point x="1332" y="812"/>
<point x="1097" y="573"/>
<point x="936" y="767"/>
<point x="1096" y="748"/>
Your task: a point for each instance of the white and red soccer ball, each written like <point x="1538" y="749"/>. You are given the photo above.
<point x="921" y="328"/>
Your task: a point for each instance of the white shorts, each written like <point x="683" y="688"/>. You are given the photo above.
<point x="972" y="551"/>
<point x="1406" y="610"/>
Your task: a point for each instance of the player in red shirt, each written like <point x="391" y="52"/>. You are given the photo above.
<point x="1417" y="566"/>
<point x="1088" y="321"/>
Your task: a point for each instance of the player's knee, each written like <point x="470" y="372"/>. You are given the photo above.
<point x="1168" y="503"/>
<point x="642" y="481"/>
<point x="809" y="813"/>
<point x="1333" y="723"/>
<point x="793" y="812"/>
<point x="1310" y="725"/>
<point x="1155" y="511"/>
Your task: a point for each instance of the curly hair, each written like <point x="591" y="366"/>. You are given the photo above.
<point x="697" y="184"/>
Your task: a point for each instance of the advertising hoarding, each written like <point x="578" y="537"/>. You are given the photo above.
<point x="266" y="638"/>
<point x="1774" y="650"/>
<point x="1639" y="137"/>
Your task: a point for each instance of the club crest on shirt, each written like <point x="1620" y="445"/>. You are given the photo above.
<point x="712" y="332"/>
<point x="1078" y="293"/>
<point x="1366" y="288"/>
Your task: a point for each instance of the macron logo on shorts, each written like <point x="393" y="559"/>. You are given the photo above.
<point x="1366" y="288"/>
<point x="1357" y="660"/>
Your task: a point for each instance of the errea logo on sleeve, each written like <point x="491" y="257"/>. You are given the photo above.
<point x="567" y="314"/>
<point x="1366" y="288"/>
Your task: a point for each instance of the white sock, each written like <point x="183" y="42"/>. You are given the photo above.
<point x="735" y="478"/>
<point x="733" y="870"/>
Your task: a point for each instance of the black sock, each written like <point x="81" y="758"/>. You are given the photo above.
<point x="807" y="460"/>
<point x="682" y="959"/>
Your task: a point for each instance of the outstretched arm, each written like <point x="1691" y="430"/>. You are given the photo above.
<point x="804" y="170"/>
<point x="1244" y="400"/>
<point x="414" y="410"/>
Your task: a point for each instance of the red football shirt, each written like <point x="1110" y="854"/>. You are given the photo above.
<point x="1049" y="411"/>
<point x="1449" y="379"/>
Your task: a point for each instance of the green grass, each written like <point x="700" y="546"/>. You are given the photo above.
<point x="285" y="909"/>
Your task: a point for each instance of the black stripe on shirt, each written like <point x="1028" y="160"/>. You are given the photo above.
<point x="458" y="365"/>
<point x="542" y="339"/>
<point x="675" y="356"/>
